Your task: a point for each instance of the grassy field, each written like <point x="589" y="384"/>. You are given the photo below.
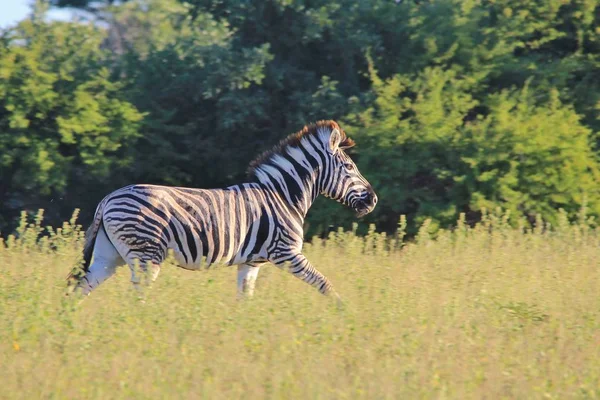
<point x="491" y="312"/>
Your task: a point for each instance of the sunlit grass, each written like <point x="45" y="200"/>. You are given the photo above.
<point x="489" y="312"/>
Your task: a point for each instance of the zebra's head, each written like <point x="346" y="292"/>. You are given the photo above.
<point x="342" y="181"/>
<point x="313" y="161"/>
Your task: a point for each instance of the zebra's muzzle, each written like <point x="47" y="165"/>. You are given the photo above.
<point x="366" y="204"/>
<point x="361" y="213"/>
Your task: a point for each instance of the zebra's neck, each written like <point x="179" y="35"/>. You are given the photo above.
<point x="294" y="178"/>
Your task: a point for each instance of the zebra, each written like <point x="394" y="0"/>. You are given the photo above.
<point x="247" y="225"/>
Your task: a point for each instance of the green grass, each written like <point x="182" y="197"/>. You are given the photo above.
<point x="491" y="312"/>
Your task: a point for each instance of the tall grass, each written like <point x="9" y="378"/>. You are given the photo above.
<point x="486" y="312"/>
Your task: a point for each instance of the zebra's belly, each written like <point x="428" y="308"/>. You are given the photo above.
<point x="193" y="265"/>
<point x="203" y="263"/>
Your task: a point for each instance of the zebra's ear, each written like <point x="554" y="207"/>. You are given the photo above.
<point x="334" y="141"/>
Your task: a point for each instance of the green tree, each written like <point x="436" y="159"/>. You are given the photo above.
<point x="90" y="5"/>
<point x="500" y="44"/>
<point x="220" y="81"/>
<point x="63" y="122"/>
<point x="433" y="155"/>
<point x="196" y="88"/>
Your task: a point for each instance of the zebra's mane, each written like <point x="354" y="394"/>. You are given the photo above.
<point x="294" y="139"/>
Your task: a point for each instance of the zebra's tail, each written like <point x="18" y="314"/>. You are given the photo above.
<point x="79" y="272"/>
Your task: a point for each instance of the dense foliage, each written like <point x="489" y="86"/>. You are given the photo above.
<point x="65" y="126"/>
<point x="456" y="105"/>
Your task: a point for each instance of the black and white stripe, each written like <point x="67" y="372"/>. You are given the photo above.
<point x="245" y="225"/>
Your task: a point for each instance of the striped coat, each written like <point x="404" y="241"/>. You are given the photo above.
<point x="246" y="225"/>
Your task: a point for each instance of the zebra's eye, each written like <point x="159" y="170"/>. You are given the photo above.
<point x="349" y="166"/>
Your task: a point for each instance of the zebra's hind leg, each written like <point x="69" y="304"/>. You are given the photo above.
<point x="246" y="279"/>
<point x="143" y="268"/>
<point x="106" y="259"/>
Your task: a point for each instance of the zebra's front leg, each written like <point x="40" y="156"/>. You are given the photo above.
<point x="246" y="279"/>
<point x="301" y="268"/>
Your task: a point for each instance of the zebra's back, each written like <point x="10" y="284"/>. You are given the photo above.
<point x="201" y="226"/>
